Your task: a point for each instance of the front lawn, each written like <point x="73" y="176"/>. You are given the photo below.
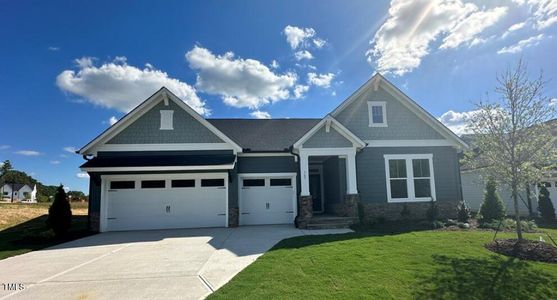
<point x="23" y="227"/>
<point x="420" y="264"/>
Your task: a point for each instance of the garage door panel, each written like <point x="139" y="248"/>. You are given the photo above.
<point x="168" y="207"/>
<point x="266" y="204"/>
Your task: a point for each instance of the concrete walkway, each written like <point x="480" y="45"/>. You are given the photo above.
<point x="157" y="264"/>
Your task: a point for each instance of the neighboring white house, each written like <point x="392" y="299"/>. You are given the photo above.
<point x="19" y="192"/>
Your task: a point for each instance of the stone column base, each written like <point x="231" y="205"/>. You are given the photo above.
<point x="305" y="212"/>
<point x="349" y="207"/>
<point x="233" y="216"/>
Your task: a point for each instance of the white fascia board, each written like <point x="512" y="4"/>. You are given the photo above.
<point x="410" y="143"/>
<point x="335" y="125"/>
<point x="157" y="168"/>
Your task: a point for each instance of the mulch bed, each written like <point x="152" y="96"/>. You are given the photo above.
<point x="527" y="249"/>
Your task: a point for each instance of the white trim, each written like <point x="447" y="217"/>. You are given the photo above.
<point x="138" y="111"/>
<point x="409" y="143"/>
<point x="383" y="105"/>
<point x="356" y="141"/>
<point x="264" y="154"/>
<point x="167" y="119"/>
<point x="158" y="168"/>
<point x="409" y="177"/>
<point x="379" y="80"/>
<point x="165" y="147"/>
<point x="290" y="175"/>
<point x="138" y="177"/>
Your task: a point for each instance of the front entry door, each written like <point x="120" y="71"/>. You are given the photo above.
<point x="315" y="189"/>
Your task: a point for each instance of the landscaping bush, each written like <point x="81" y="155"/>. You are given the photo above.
<point x="545" y="206"/>
<point x="432" y="213"/>
<point x="405" y="213"/>
<point x="463" y="212"/>
<point x="60" y="213"/>
<point x="509" y="224"/>
<point x="492" y="208"/>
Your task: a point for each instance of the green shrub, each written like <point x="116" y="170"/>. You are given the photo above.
<point x="463" y="212"/>
<point x="432" y="213"/>
<point x="60" y="213"/>
<point x="547" y="211"/>
<point x="509" y="224"/>
<point x="492" y="208"/>
<point x="405" y="213"/>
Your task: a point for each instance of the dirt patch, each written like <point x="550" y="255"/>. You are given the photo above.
<point x="527" y="249"/>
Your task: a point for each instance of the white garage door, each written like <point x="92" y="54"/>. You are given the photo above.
<point x="165" y="201"/>
<point x="267" y="199"/>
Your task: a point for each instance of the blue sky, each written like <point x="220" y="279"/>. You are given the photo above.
<point x="67" y="68"/>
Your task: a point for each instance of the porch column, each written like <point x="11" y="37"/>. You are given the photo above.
<point x="351" y="180"/>
<point x="304" y="174"/>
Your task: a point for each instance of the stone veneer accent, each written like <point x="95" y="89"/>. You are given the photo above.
<point x="391" y="211"/>
<point x="94" y="222"/>
<point x="233" y="216"/>
<point x="349" y="207"/>
<point x="305" y="213"/>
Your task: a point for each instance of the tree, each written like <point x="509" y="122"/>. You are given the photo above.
<point x="512" y="138"/>
<point x="545" y="206"/>
<point x="60" y="213"/>
<point x="463" y="212"/>
<point x="492" y="208"/>
<point x="5" y="167"/>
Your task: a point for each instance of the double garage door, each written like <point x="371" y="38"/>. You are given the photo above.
<point x="136" y="202"/>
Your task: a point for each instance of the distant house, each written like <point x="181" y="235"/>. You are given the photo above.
<point x="19" y="192"/>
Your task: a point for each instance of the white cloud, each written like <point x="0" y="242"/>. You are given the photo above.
<point x="120" y="86"/>
<point x="70" y="149"/>
<point x="112" y="120"/>
<point x="4" y="147"/>
<point x="321" y="80"/>
<point x="275" y="64"/>
<point x="52" y="48"/>
<point x="513" y="28"/>
<point x="553" y="101"/>
<point x="531" y="41"/>
<point x="457" y="121"/>
<point x="300" y="90"/>
<point x="55" y="162"/>
<point x="296" y="36"/>
<point x="412" y="26"/>
<point x="260" y="114"/>
<point x="240" y="82"/>
<point x="467" y="30"/>
<point x="28" y="152"/>
<point x="319" y="43"/>
<point x="303" y="54"/>
<point x="544" y="12"/>
<point x="82" y="175"/>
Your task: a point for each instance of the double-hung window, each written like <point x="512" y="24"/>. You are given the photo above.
<point x="409" y="177"/>
<point x="377" y="113"/>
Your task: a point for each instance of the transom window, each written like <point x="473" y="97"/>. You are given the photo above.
<point x="153" y="184"/>
<point x="122" y="185"/>
<point x="212" y="182"/>
<point x="409" y="177"/>
<point x="377" y="113"/>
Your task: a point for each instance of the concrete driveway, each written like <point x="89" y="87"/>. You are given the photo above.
<point x="157" y="264"/>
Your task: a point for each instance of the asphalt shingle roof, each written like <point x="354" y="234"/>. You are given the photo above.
<point x="260" y="135"/>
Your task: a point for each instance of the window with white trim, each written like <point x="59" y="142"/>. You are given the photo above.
<point x="377" y="113"/>
<point x="409" y="177"/>
<point x="167" y="120"/>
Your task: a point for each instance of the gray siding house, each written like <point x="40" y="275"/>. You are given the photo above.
<point x="165" y="166"/>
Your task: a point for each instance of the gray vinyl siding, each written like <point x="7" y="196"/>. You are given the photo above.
<point x="473" y="189"/>
<point x="146" y="129"/>
<point x="324" y="139"/>
<point x="270" y="164"/>
<point x="403" y="124"/>
<point x="370" y="167"/>
<point x="94" y="196"/>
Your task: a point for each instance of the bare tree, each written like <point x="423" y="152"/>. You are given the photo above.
<point x="513" y="139"/>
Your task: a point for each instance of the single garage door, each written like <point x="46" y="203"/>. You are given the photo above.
<point x="165" y="201"/>
<point x="267" y="199"/>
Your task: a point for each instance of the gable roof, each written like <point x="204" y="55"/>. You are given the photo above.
<point x="162" y="94"/>
<point x="378" y="80"/>
<point x="265" y="135"/>
<point x="330" y="121"/>
<point x="16" y="186"/>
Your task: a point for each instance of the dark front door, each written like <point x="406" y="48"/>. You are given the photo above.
<point x="315" y="190"/>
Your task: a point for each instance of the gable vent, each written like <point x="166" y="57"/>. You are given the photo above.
<point x="167" y="120"/>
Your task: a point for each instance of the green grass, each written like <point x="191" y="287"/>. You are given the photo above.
<point x="23" y="228"/>
<point x="380" y="265"/>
